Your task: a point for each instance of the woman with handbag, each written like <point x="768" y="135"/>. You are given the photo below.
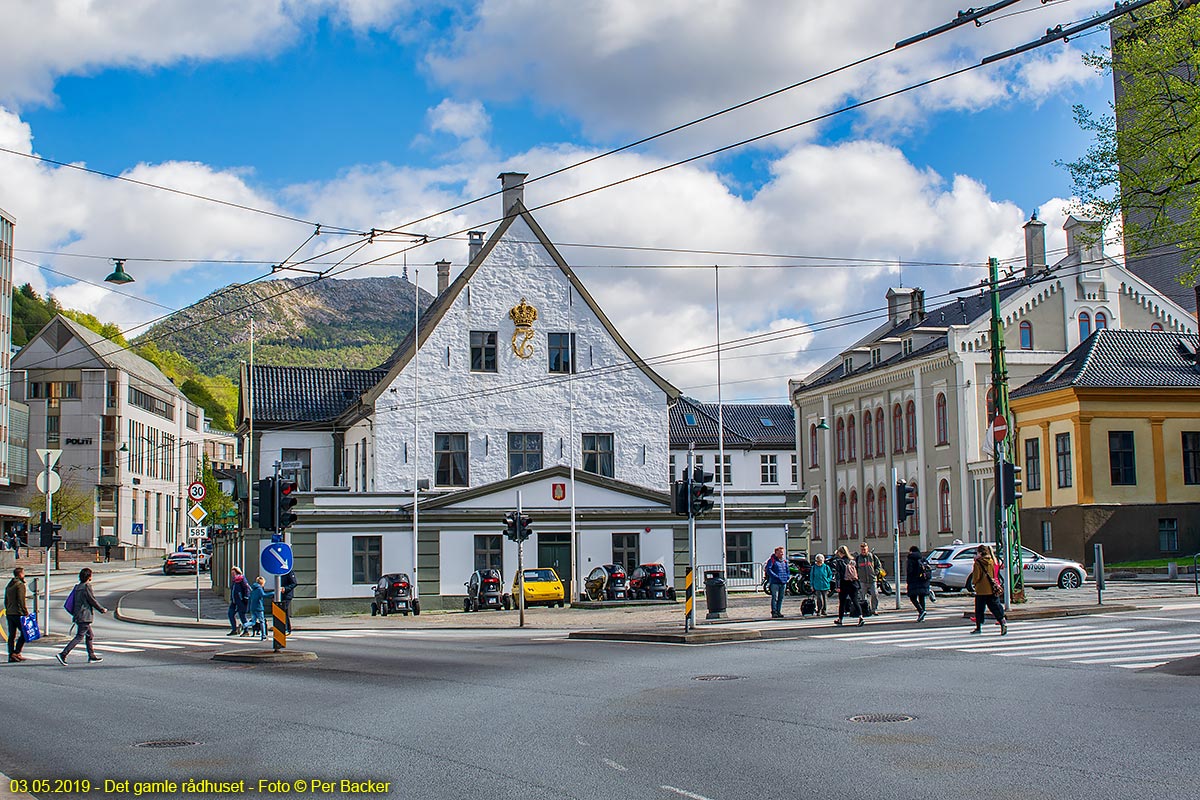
<point x="917" y="574"/>
<point x="989" y="589"/>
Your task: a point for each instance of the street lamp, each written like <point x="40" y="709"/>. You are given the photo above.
<point x="119" y="275"/>
<point x="823" y="425"/>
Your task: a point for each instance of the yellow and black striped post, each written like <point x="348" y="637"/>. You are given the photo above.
<point x="689" y="603"/>
<point x="280" y="626"/>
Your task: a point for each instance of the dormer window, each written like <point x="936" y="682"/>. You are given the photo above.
<point x="907" y="347"/>
<point x="875" y="357"/>
<point x="847" y="365"/>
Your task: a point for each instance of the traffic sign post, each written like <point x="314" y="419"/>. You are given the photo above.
<point x="999" y="428"/>
<point x="277" y="558"/>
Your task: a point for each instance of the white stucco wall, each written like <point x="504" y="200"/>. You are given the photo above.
<point x="621" y="400"/>
<point x="335" y="570"/>
<point x="320" y="445"/>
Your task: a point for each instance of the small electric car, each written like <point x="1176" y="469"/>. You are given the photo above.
<point x="393" y="595"/>
<point x="649" y="582"/>
<point x="485" y="589"/>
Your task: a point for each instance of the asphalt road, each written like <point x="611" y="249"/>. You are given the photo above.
<point x="1052" y="710"/>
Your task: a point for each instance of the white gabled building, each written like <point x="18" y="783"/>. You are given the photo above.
<point x="913" y="395"/>
<point x="519" y="377"/>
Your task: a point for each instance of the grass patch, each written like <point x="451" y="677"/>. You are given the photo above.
<point x="1156" y="562"/>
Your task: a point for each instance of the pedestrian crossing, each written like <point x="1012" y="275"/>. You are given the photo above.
<point x="37" y="652"/>
<point x="1051" y="642"/>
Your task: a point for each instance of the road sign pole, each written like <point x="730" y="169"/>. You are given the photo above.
<point x="520" y="563"/>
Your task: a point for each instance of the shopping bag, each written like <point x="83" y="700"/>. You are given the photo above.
<point x="29" y="628"/>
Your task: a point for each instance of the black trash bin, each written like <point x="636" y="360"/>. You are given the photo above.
<point x="716" y="596"/>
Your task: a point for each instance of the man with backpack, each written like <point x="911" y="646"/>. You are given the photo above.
<point x="81" y="602"/>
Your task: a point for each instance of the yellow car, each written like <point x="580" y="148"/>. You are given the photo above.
<point x="542" y="586"/>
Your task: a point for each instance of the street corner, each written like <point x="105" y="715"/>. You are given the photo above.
<point x="264" y="656"/>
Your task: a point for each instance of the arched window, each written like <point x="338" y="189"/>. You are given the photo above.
<point x="869" y="513"/>
<point x="1156" y="327"/>
<point x="868" y="439"/>
<point x="910" y="425"/>
<point x="943" y="426"/>
<point x="944" y="506"/>
<point x="813" y="448"/>
<point x="991" y="402"/>
<point x="851" y="439"/>
<point x="914" y="522"/>
<point x="1085" y="325"/>
<point x="880" y="434"/>
<point x="841" y="440"/>
<point x="842" y="515"/>
<point x="1026" y="335"/>
<point x="816" y="519"/>
<point x="1101" y="320"/>
<point x="853" y="514"/>
<point x="883" y="512"/>
<point x="897" y="429"/>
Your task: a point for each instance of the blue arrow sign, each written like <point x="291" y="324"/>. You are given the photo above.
<point x="277" y="559"/>
<point x="138" y="529"/>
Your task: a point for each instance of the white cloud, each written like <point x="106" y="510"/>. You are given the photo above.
<point x="462" y="120"/>
<point x="1046" y="74"/>
<point x="43" y="40"/>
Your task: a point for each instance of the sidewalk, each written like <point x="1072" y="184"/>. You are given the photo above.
<point x="170" y="604"/>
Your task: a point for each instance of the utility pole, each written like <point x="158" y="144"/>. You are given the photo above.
<point x="520" y="563"/>
<point x="689" y="581"/>
<point x="1008" y="523"/>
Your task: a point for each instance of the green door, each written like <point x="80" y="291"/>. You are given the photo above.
<point x="554" y="551"/>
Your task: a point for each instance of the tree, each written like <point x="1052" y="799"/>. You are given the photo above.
<point x="1145" y="161"/>
<point x="215" y="502"/>
<point x="71" y="507"/>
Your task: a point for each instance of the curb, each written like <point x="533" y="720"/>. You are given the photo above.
<point x="265" y="656"/>
<point x="6" y="794"/>
<point x="1051" y="613"/>
<point x="695" y="637"/>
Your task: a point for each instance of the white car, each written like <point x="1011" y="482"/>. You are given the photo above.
<point x="952" y="566"/>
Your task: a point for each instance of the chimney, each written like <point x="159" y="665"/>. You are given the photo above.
<point x="905" y="304"/>
<point x="1085" y="238"/>
<point x="513" y="184"/>
<point x="1035" y="246"/>
<point x="475" y="244"/>
<point x="443" y="268"/>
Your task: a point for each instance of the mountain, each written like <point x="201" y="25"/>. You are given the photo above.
<point x="352" y="323"/>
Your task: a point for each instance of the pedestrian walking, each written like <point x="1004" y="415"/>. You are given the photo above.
<point x="15" y="607"/>
<point x="917" y="573"/>
<point x="288" y="583"/>
<point x="846" y="574"/>
<point x="16" y="541"/>
<point x="239" y="601"/>
<point x="819" y="577"/>
<point x="84" y="604"/>
<point x="107" y="553"/>
<point x="988" y="589"/>
<point x="778" y="576"/>
<point x="868" y="566"/>
<point x="258" y="617"/>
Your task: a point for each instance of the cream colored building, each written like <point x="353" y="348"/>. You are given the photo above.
<point x="913" y="395"/>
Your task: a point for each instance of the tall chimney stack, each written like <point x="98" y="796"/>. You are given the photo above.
<point x="513" y="184"/>
<point x="443" y="269"/>
<point x="475" y="244"/>
<point x="1035" y="246"/>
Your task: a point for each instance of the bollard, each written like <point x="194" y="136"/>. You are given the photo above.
<point x="1099" y="567"/>
<point x="1172" y="571"/>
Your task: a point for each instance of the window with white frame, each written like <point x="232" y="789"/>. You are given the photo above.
<point x="769" y="467"/>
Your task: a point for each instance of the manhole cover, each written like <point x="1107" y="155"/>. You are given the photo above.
<point x="717" y="678"/>
<point x="881" y="718"/>
<point x="167" y="743"/>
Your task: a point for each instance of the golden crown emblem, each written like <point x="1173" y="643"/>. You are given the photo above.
<point x="523" y="315"/>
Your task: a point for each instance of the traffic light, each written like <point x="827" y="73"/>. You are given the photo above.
<point x="266" y="504"/>
<point x="287" y="501"/>
<point x="1011" y="474"/>
<point x="48" y="533"/>
<point x="517" y="527"/>
<point x="700" y="492"/>
<point x="680" y="503"/>
<point x="905" y="502"/>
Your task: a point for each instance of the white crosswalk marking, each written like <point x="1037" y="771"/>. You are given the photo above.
<point x="1071" y="643"/>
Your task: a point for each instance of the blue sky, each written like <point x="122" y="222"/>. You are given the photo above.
<point x="370" y="113"/>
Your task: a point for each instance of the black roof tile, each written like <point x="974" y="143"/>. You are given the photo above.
<point x="1123" y="359"/>
<point x="307" y="394"/>
<point x="744" y="426"/>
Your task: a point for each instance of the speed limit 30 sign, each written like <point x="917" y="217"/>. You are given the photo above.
<point x="196" y="491"/>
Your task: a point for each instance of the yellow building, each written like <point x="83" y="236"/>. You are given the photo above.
<point x="1109" y="444"/>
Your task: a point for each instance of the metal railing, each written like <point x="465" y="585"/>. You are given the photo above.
<point x="747" y="577"/>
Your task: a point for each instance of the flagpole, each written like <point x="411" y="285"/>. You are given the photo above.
<point x="416" y="588"/>
<point x="720" y="471"/>
<point x="571" y="436"/>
